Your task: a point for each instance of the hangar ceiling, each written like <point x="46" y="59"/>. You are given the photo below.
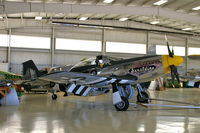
<point x="175" y="14"/>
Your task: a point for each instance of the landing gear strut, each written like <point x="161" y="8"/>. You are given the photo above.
<point x="142" y="96"/>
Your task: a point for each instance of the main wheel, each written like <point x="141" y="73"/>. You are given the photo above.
<point x="123" y="105"/>
<point x="54" y="97"/>
<point x="143" y="97"/>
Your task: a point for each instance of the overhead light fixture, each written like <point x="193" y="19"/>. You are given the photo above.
<point x="38" y="18"/>
<point x="155" y="22"/>
<point x="160" y="2"/>
<point x="108" y="1"/>
<point x="196" y="8"/>
<point x="187" y="28"/>
<point x="83" y="18"/>
<point x="123" y="19"/>
<point x="1" y="17"/>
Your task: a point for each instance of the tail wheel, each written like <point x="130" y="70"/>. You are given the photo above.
<point x="54" y="97"/>
<point x="94" y="72"/>
<point x="123" y="105"/>
<point x="143" y="97"/>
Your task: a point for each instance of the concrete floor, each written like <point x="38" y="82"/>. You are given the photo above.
<point x="37" y="113"/>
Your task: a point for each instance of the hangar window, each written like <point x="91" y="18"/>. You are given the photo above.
<point x="79" y="45"/>
<point x="162" y="50"/>
<point x="30" y="42"/>
<point x="193" y="51"/>
<point x="3" y="40"/>
<point x="118" y="47"/>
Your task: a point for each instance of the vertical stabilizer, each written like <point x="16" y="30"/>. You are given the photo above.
<point x="30" y="71"/>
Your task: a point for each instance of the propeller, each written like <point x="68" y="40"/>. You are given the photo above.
<point x="174" y="73"/>
<point x="173" y="68"/>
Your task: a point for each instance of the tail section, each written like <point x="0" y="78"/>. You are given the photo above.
<point x="30" y="71"/>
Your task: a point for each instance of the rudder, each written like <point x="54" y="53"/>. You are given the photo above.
<point x="30" y="71"/>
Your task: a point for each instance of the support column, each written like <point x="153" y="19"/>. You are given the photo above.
<point x="150" y="48"/>
<point x="103" y="43"/>
<point x="186" y="55"/>
<point x="9" y="51"/>
<point x="147" y="43"/>
<point x="52" y="46"/>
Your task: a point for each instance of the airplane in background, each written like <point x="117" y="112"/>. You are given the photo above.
<point x="8" y="78"/>
<point x="99" y="75"/>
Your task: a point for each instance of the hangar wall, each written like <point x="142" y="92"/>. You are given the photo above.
<point x="62" y="57"/>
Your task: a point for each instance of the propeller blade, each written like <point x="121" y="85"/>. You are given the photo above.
<point x="177" y="78"/>
<point x="174" y="73"/>
<point x="173" y="77"/>
<point x="171" y="53"/>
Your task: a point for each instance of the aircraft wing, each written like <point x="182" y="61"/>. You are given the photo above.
<point x="82" y="79"/>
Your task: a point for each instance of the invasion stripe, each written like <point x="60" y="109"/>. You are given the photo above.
<point x="86" y="92"/>
<point x="71" y="88"/>
<point x="76" y="88"/>
<point x="83" y="90"/>
<point x="80" y="89"/>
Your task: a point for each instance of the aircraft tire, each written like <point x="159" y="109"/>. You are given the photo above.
<point x="54" y="97"/>
<point x="144" y="98"/>
<point x="122" y="106"/>
<point x="94" y="72"/>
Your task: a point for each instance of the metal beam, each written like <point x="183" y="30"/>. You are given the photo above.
<point x="103" y="43"/>
<point x="147" y="43"/>
<point x="22" y="7"/>
<point x="9" y="51"/>
<point x="52" y="46"/>
<point x="186" y="55"/>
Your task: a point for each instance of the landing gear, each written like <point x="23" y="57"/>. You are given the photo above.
<point x="120" y="102"/>
<point x="123" y="105"/>
<point x="54" y="97"/>
<point x="142" y="97"/>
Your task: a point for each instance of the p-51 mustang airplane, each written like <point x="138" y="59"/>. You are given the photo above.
<point x="98" y="75"/>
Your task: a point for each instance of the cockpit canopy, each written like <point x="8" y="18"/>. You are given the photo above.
<point x="97" y="61"/>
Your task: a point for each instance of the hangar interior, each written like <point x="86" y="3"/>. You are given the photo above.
<point x="63" y="32"/>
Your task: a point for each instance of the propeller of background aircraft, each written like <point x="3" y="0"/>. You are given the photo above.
<point x="173" y="68"/>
